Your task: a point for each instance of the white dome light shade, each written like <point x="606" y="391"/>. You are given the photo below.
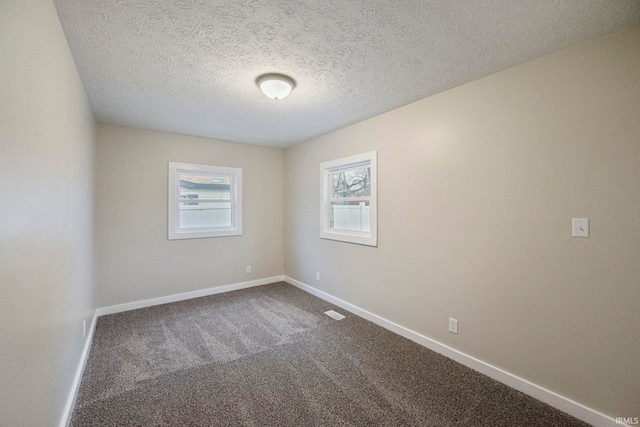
<point x="275" y="86"/>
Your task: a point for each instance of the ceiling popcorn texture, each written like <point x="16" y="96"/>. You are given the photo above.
<point x="190" y="66"/>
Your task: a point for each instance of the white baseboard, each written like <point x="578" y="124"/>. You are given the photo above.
<point x="71" y="400"/>
<point x="549" y="397"/>
<point x="103" y="311"/>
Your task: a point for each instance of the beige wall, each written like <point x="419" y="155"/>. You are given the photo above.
<point x="46" y="170"/>
<point x="477" y="188"/>
<point x="134" y="259"/>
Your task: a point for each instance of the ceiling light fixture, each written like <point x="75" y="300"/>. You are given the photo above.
<point x="275" y="86"/>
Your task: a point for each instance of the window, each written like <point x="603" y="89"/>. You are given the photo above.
<point x="349" y="199"/>
<point x="204" y="201"/>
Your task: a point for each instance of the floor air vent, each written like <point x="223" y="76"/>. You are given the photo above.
<point x="334" y="314"/>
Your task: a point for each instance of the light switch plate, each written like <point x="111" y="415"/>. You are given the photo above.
<point x="580" y="227"/>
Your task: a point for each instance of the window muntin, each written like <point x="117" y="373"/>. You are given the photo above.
<point x="204" y="201"/>
<point x="349" y="199"/>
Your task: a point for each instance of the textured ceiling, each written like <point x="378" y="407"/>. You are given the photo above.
<point x="189" y="66"/>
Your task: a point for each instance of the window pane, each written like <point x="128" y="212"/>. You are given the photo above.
<point x="205" y="214"/>
<point x="352" y="183"/>
<point x="350" y="216"/>
<point x="195" y="187"/>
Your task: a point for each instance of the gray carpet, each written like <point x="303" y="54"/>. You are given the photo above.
<point x="269" y="356"/>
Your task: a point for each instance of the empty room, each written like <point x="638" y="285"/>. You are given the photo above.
<point x="319" y="213"/>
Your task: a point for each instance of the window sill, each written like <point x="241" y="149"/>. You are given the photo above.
<point x="199" y="234"/>
<point x="366" y="239"/>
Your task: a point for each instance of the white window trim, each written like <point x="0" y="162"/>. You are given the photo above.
<point x="175" y="232"/>
<point x="369" y="238"/>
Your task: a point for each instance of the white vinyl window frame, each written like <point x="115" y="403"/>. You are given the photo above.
<point x="368" y="238"/>
<point x="235" y="175"/>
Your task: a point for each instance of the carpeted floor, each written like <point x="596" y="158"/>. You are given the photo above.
<point x="269" y="356"/>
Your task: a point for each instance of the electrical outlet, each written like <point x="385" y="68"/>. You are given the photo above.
<point x="84" y="328"/>
<point x="318" y="276"/>
<point x="453" y="325"/>
<point x="248" y="269"/>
